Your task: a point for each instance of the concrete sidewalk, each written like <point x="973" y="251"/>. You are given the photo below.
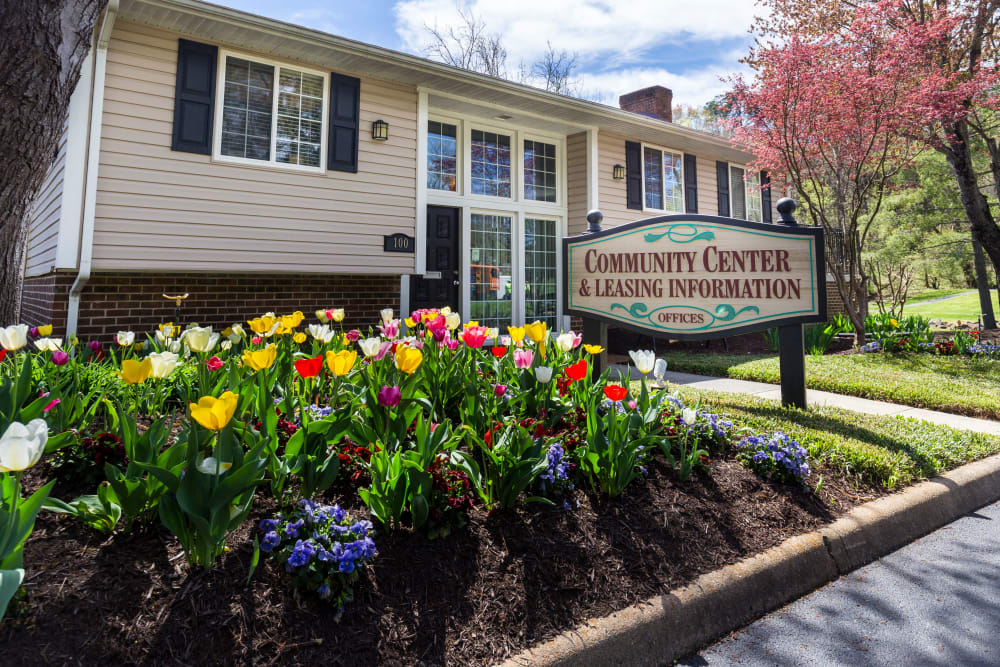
<point x="826" y="398"/>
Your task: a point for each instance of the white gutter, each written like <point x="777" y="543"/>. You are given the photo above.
<point x="93" y="156"/>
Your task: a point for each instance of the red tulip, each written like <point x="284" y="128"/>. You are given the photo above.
<point x="498" y="351"/>
<point x="615" y="393"/>
<point x="3" y="353"/>
<point x="474" y="336"/>
<point x="577" y="371"/>
<point x="214" y="363"/>
<point x="309" y="368"/>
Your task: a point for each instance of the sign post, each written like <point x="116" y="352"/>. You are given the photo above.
<point x="696" y="277"/>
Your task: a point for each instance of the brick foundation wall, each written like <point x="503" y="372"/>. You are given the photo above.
<point x="116" y="301"/>
<point x="834" y="304"/>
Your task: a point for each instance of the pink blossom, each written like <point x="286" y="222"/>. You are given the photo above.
<point x="452" y="343"/>
<point x="256" y="340"/>
<point x="382" y="350"/>
<point x="353" y="335"/>
<point x="523" y="358"/>
<point x="632" y="404"/>
<point x="52" y="404"/>
<point x="213" y="363"/>
<point x="389" y="397"/>
<point x="499" y="390"/>
<point x="59" y="357"/>
<point x="390" y="329"/>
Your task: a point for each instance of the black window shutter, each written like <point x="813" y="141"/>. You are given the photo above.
<point x="345" y="117"/>
<point x="765" y="196"/>
<point x="722" y="175"/>
<point x="633" y="175"/>
<point x="690" y="184"/>
<point x="194" y="99"/>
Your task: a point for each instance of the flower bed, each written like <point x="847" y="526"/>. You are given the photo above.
<point x="445" y="492"/>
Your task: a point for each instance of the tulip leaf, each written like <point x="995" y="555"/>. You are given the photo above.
<point x="10" y="581"/>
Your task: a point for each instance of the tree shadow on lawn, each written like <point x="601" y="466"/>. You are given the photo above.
<point x="843" y="427"/>
<point x="937" y="365"/>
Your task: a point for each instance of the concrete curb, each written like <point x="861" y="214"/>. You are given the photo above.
<point x="673" y="625"/>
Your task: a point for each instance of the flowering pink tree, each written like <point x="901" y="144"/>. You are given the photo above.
<point x="838" y="112"/>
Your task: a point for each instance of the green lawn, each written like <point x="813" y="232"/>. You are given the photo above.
<point x="883" y="451"/>
<point x="929" y="294"/>
<point x="950" y="384"/>
<point x="965" y="308"/>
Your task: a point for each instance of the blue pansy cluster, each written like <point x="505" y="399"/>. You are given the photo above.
<point x="874" y="346"/>
<point x="984" y="348"/>
<point x="714" y="432"/>
<point x="321" y="546"/>
<point x="555" y="478"/>
<point x="775" y="456"/>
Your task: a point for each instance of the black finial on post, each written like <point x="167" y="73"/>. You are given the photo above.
<point x="595" y="218"/>
<point x="786" y="208"/>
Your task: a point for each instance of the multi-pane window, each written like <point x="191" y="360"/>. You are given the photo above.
<point x="272" y="114"/>
<point x="442" y="156"/>
<point x="491" y="271"/>
<point x="754" y="205"/>
<point x="539" y="171"/>
<point x="653" y="177"/>
<point x="663" y="180"/>
<point x="737" y="193"/>
<point x="540" y="282"/>
<point x="490" y="164"/>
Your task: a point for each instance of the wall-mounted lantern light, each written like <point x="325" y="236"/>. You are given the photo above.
<point x="618" y="172"/>
<point x="380" y="130"/>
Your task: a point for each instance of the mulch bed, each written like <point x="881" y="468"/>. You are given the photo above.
<point x="505" y="582"/>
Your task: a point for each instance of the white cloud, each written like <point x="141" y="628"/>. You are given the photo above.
<point x="602" y="33"/>
<point x="592" y="28"/>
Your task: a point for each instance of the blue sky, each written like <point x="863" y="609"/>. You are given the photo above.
<point x="621" y="46"/>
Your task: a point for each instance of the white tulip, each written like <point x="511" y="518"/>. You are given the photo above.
<point x="689" y="415"/>
<point x="161" y="338"/>
<point x="226" y="345"/>
<point x="566" y="341"/>
<point x="643" y="360"/>
<point x="452" y="320"/>
<point x="14" y="337"/>
<point x="125" y="338"/>
<point x="543" y="374"/>
<point x="386" y="314"/>
<point x="200" y="339"/>
<point x="321" y="332"/>
<point x="492" y="333"/>
<point x="48" y="344"/>
<point x="175" y="347"/>
<point x="22" y="445"/>
<point x="208" y="466"/>
<point x="164" y="363"/>
<point x="370" y="346"/>
<point x="445" y="311"/>
<point x="236" y="334"/>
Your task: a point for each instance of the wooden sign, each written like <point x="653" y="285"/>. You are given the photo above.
<point x="398" y="243"/>
<point x="696" y="276"/>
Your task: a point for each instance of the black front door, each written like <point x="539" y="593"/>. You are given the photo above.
<point x="442" y="258"/>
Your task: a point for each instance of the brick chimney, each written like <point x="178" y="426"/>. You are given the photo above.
<point x="654" y="101"/>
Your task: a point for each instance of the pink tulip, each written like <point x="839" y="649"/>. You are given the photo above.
<point x="95" y="346"/>
<point x="59" y="357"/>
<point x="523" y="358"/>
<point x="353" y="335"/>
<point x="382" y="350"/>
<point x="632" y="404"/>
<point x="54" y="403"/>
<point x="499" y="390"/>
<point x="390" y="329"/>
<point x="452" y="343"/>
<point x="256" y="340"/>
<point x="213" y="363"/>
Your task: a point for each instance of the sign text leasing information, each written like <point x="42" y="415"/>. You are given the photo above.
<point x="691" y="276"/>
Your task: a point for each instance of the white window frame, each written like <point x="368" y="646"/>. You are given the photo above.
<point x="272" y="163"/>
<point x="663" y="179"/>
<point x="747" y="188"/>
<point x="459" y="156"/>
<point x="517" y="207"/>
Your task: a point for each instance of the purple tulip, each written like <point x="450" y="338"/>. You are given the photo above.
<point x="95" y="346"/>
<point x="59" y="357"/>
<point x="389" y="397"/>
<point x="33" y="331"/>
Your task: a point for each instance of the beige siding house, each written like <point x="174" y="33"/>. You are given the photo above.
<point x="256" y="165"/>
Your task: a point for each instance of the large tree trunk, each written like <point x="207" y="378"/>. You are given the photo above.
<point x="977" y="209"/>
<point x="42" y="45"/>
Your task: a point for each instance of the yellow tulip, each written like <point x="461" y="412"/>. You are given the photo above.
<point x="408" y="359"/>
<point x="537" y="331"/>
<point x="214" y="413"/>
<point x="516" y="333"/>
<point x="299" y="337"/>
<point x="893" y="322"/>
<point x="258" y="360"/>
<point x="471" y="323"/>
<point x="337" y="314"/>
<point x="410" y="322"/>
<point x="593" y="349"/>
<point x="45" y="330"/>
<point x="321" y="316"/>
<point x="341" y="363"/>
<point x="263" y="325"/>
<point x="136" y="372"/>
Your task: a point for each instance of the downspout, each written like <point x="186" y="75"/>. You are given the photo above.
<point x="93" y="155"/>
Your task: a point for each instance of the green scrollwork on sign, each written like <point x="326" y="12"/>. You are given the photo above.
<point x="682" y="233"/>
<point x="723" y="313"/>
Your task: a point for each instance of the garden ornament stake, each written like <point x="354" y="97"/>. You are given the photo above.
<point x="177" y="304"/>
